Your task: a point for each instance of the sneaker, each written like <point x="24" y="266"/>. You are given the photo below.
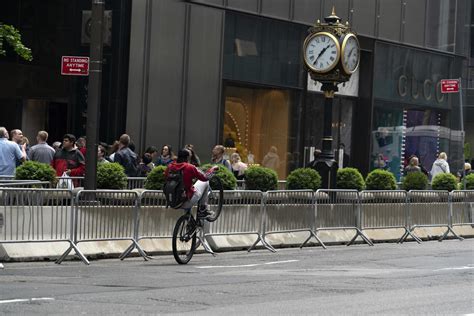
<point x="204" y="211"/>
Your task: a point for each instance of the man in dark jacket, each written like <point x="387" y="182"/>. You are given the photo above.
<point x="69" y="159"/>
<point x="126" y="157"/>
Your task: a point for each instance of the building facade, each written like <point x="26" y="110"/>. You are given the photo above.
<point x="202" y="72"/>
<point x="231" y="72"/>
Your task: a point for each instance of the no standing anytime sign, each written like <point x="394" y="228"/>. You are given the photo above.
<point x="74" y="66"/>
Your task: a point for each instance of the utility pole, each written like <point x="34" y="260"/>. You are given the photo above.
<point x="95" y="84"/>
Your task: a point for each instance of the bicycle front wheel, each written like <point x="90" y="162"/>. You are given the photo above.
<point x="215" y="199"/>
<point x="184" y="239"/>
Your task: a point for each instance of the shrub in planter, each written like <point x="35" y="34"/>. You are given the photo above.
<point x="156" y="178"/>
<point x="303" y="179"/>
<point x="444" y="181"/>
<point x="229" y="182"/>
<point x="415" y="181"/>
<point x="111" y="176"/>
<point x="33" y="170"/>
<point x="260" y="178"/>
<point x="470" y="182"/>
<point x="380" y="180"/>
<point x="350" y="178"/>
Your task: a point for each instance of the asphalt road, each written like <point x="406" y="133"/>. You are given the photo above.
<point x="429" y="279"/>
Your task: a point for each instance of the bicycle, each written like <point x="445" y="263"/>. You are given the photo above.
<point x="188" y="228"/>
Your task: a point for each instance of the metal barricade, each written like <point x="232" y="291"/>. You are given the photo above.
<point x="462" y="207"/>
<point x="281" y="185"/>
<point x="108" y="215"/>
<point x="385" y="210"/>
<point x="25" y="184"/>
<point x="242" y="214"/>
<point x="155" y="220"/>
<point x="337" y="210"/>
<point x="290" y="211"/>
<point x="38" y="215"/>
<point x="135" y="183"/>
<point x="430" y="209"/>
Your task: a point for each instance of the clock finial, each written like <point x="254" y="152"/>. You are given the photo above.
<point x="333" y="10"/>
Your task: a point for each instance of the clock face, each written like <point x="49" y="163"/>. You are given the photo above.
<point x="350" y="53"/>
<point x="321" y="52"/>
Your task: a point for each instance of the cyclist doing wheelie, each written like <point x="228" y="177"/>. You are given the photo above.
<point x="185" y="195"/>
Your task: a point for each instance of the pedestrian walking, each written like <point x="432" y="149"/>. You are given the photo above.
<point x="42" y="152"/>
<point x="10" y="154"/>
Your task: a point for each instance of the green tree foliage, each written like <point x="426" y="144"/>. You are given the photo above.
<point x="350" y="179"/>
<point x="228" y="180"/>
<point x="156" y="178"/>
<point x="303" y="178"/>
<point x="381" y="180"/>
<point x="415" y="181"/>
<point x="470" y="182"/>
<point x="260" y="178"/>
<point x="111" y="176"/>
<point x="33" y="170"/>
<point x="12" y="36"/>
<point x="444" y="181"/>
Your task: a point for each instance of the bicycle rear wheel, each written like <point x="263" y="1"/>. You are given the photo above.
<point x="215" y="199"/>
<point x="184" y="239"/>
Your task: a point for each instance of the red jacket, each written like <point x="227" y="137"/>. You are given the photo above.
<point x="190" y="173"/>
<point x="72" y="160"/>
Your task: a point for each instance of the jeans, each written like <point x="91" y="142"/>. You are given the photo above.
<point x="200" y="195"/>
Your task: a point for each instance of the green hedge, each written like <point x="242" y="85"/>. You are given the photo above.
<point x="111" y="176"/>
<point x="444" y="181"/>
<point x="470" y="182"/>
<point x="381" y="180"/>
<point x="350" y="178"/>
<point x="260" y="178"/>
<point x="33" y="170"/>
<point x="415" y="181"/>
<point x="303" y="178"/>
<point x="229" y="182"/>
<point x="155" y="179"/>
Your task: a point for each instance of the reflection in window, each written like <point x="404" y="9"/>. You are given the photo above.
<point x="258" y="122"/>
<point x="441" y="24"/>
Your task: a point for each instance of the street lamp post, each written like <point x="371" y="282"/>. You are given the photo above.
<point x="331" y="54"/>
<point x="95" y="83"/>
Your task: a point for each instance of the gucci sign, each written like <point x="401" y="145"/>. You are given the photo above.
<point x="415" y="89"/>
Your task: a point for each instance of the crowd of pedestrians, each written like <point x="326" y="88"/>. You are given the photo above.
<point x="67" y="157"/>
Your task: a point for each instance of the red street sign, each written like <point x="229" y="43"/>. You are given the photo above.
<point x="449" y="85"/>
<point x="75" y="66"/>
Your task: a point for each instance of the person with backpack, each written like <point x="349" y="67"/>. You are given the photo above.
<point x="179" y="189"/>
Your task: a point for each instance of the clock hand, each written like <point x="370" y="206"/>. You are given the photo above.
<point x="350" y="52"/>
<point x="322" y="52"/>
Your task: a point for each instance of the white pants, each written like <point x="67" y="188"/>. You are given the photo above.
<point x="200" y="195"/>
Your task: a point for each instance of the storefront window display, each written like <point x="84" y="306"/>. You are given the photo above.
<point x="261" y="125"/>
<point x="411" y="116"/>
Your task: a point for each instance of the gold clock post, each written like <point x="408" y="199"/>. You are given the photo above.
<point x="331" y="54"/>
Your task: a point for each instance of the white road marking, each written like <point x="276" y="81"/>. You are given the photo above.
<point x="22" y="300"/>
<point x="456" y="268"/>
<point x="247" y="265"/>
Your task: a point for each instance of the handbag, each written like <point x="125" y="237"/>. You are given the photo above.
<point x="65" y="182"/>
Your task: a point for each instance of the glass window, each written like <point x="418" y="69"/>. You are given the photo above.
<point x="440" y="24"/>
<point x="262" y="125"/>
<point x="261" y="50"/>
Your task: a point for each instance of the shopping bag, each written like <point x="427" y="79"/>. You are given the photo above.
<point x="65" y="182"/>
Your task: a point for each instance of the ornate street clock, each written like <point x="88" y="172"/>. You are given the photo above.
<point x="331" y="54"/>
<point x="331" y="51"/>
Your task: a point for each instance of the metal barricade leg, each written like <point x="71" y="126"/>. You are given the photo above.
<point x="362" y="235"/>
<point x="261" y="239"/>
<point x="311" y="235"/>
<point x="450" y="230"/>
<point x="134" y="245"/>
<point x="76" y="250"/>
<point x="407" y="233"/>
<point x="201" y="240"/>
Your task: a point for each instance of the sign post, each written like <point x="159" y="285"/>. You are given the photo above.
<point x="454" y="86"/>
